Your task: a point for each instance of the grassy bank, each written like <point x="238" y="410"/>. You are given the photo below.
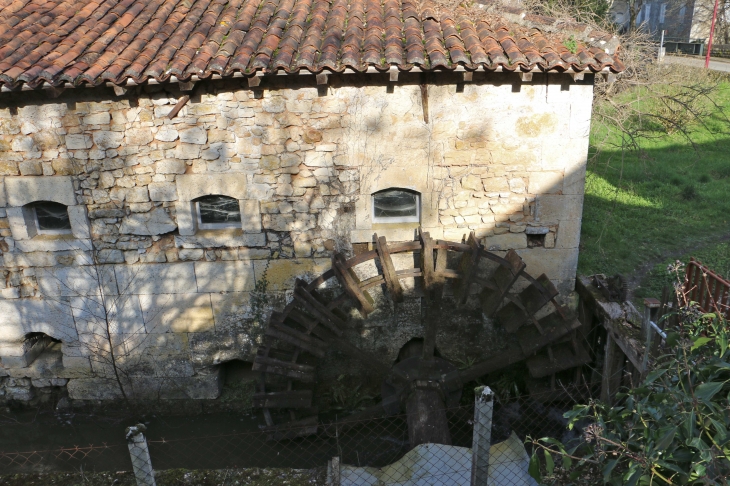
<point x="666" y="201"/>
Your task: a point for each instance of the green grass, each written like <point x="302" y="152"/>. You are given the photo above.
<point x="670" y="200"/>
<point x="716" y="257"/>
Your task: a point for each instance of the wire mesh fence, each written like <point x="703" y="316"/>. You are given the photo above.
<point x="484" y="447"/>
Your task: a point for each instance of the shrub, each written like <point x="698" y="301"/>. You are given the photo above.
<point x="673" y="429"/>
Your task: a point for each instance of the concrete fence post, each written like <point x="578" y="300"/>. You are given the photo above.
<point x="140" y="454"/>
<point x="482" y="438"/>
<point x="333" y="472"/>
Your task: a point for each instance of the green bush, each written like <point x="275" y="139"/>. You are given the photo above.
<point x="673" y="429"/>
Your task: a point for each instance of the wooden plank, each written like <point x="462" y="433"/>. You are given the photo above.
<point x="319" y="311"/>
<point x="361" y="258"/>
<point x="292" y="430"/>
<point x="427" y="261"/>
<point x="391" y="279"/>
<point x="299" y="317"/>
<point x="513" y="315"/>
<point x="299" y="339"/>
<point x="452" y="245"/>
<point x="178" y="106"/>
<point x="408" y="272"/>
<point x="467" y="268"/>
<point x="285" y="399"/>
<point x="442" y="262"/>
<point x="372" y="282"/>
<point x="324" y="333"/>
<point x="262" y="362"/>
<point x="320" y="280"/>
<point x="554" y="327"/>
<point x="612" y="369"/>
<point x="404" y="246"/>
<point x="503" y="279"/>
<point x="351" y="284"/>
<point x="564" y="358"/>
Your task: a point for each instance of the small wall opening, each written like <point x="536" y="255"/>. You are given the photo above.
<point x="237" y="371"/>
<point x="536" y="241"/>
<point x="35" y="344"/>
<point x="239" y="385"/>
<point x="412" y="348"/>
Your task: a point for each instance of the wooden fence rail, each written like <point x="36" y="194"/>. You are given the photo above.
<point x="708" y="289"/>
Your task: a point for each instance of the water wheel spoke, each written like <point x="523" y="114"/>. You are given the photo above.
<point x="539" y="293"/>
<point x="351" y="283"/>
<point x="299" y="339"/>
<point x="554" y="327"/>
<point x="263" y="362"/>
<point x="318" y="310"/>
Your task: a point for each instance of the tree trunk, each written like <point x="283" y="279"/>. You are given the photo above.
<point x="427" y="418"/>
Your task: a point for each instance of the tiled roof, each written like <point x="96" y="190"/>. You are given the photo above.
<point x="98" y="41"/>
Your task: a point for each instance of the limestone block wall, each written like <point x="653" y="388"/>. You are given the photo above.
<point x="137" y="295"/>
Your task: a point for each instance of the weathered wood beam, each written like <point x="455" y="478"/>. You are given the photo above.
<point x="262" y="362"/>
<point x="393" y="74"/>
<point x="254" y="81"/>
<point x="319" y="311"/>
<point x="351" y="283"/>
<point x="178" y="107"/>
<point x="301" y="340"/>
<point x="186" y="86"/>
<point x="427" y="422"/>
<point x="392" y="282"/>
<point x="424" y="101"/>
<point x="322" y="78"/>
<point x="120" y="90"/>
<point x="613" y="366"/>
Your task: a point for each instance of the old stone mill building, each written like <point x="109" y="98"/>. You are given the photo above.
<point x="188" y="184"/>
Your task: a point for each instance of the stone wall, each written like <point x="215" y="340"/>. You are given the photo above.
<point x="136" y="279"/>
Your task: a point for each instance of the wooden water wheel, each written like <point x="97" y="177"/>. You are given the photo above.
<point x="425" y="384"/>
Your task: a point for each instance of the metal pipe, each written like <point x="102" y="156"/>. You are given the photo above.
<point x="712" y="33"/>
<point x="661" y="46"/>
<point x="658" y="330"/>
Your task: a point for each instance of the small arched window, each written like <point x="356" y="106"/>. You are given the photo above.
<point x="50" y="218"/>
<point x="396" y="206"/>
<point x="216" y="212"/>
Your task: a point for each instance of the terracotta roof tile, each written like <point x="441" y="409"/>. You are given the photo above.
<point x="55" y="41"/>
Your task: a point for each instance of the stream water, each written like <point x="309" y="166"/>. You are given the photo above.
<point x="42" y="442"/>
<point x="66" y="441"/>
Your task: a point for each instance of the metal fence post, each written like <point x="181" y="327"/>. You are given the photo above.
<point x="482" y="438"/>
<point x="140" y="454"/>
